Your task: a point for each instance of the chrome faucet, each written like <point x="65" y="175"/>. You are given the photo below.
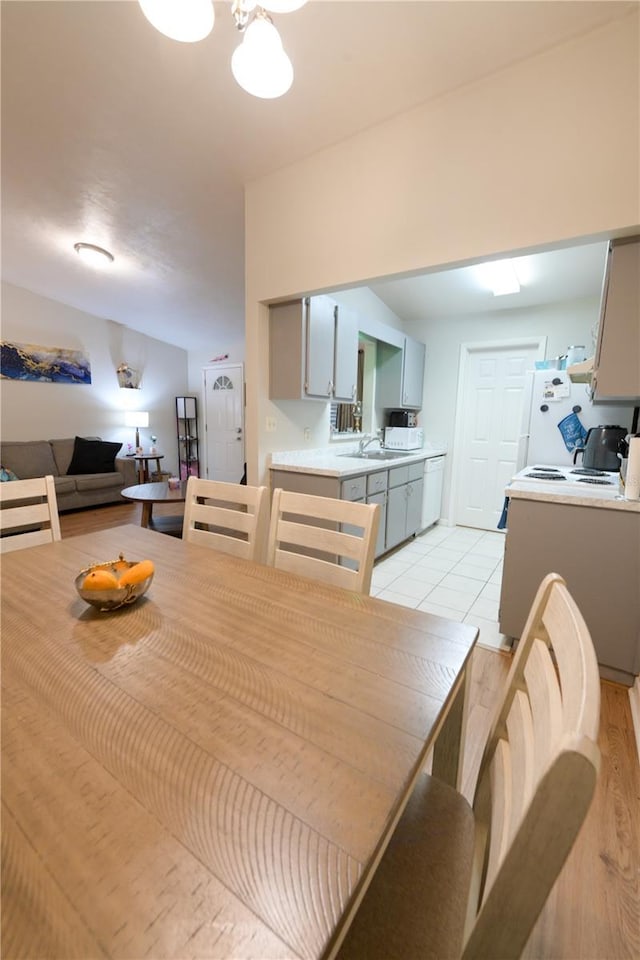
<point x="364" y="442"/>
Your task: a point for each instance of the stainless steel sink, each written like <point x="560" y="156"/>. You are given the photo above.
<point x="376" y="455"/>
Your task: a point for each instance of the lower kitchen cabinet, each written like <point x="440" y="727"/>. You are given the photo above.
<point x="397" y="490"/>
<point x="404" y="503"/>
<point x="596" y="551"/>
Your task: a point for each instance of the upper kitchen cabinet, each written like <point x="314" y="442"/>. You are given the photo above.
<point x="616" y="373"/>
<point x="400" y="375"/>
<point x="313" y="350"/>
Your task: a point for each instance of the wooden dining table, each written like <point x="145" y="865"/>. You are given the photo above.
<point x="215" y="770"/>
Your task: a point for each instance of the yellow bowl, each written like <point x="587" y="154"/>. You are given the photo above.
<point x="118" y="596"/>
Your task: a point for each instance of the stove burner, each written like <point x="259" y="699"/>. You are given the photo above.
<point x="537" y="475"/>
<point x="546" y="470"/>
<point x="602" y="483"/>
<point x="589" y="472"/>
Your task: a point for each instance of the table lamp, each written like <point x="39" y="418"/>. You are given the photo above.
<point x="137" y="419"/>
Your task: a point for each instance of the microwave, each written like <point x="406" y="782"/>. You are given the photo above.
<point x="403" y="418"/>
<point x="404" y="438"/>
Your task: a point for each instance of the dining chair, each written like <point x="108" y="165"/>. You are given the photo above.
<point x="338" y="538"/>
<point x="230" y="517"/>
<point x="28" y="514"/>
<point x="470" y="881"/>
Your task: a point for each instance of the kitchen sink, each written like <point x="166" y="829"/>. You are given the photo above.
<point x="376" y="455"/>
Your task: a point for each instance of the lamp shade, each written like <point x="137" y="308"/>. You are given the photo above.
<point x="136" y="418"/>
<point x="260" y="64"/>
<point x="184" y="20"/>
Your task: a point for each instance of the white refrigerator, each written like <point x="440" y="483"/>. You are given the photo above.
<point x="549" y="397"/>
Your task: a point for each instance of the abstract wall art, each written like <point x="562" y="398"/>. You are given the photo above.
<point x="29" y="361"/>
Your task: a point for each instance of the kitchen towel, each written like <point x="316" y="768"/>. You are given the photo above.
<point x="632" y="481"/>
<point x="573" y="433"/>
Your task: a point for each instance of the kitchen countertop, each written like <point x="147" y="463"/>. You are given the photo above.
<point x="332" y="462"/>
<point x="585" y="497"/>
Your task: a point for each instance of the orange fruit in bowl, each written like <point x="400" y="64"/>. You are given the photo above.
<point x="100" y="580"/>
<point x="137" y="573"/>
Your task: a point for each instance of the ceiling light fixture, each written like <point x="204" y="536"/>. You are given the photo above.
<point x="500" y="276"/>
<point x="260" y="64"/>
<point x="93" y="255"/>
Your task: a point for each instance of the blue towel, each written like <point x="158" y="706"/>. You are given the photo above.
<point x="573" y="433"/>
<point x="502" y="522"/>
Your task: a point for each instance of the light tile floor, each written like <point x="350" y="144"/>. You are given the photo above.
<point x="452" y="571"/>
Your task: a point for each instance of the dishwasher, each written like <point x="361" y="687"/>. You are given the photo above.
<point x="432" y="496"/>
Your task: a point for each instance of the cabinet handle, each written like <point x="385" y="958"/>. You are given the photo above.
<point x="353" y="392"/>
<point x="330" y="388"/>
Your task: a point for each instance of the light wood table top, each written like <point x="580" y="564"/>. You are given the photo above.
<point x="215" y="770"/>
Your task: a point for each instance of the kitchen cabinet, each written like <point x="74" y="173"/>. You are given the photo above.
<point x="596" y="551"/>
<point x="400" y="375"/>
<point x="616" y="373"/>
<point x="404" y="503"/>
<point x="398" y="491"/>
<point x="313" y="350"/>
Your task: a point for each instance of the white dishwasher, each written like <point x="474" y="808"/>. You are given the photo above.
<point x="432" y="497"/>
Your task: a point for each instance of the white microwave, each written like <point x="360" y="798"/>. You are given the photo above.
<point x="404" y="438"/>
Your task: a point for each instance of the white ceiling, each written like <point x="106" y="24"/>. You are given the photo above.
<point x="115" y="135"/>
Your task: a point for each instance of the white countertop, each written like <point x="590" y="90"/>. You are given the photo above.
<point x="332" y="462"/>
<point x="583" y="497"/>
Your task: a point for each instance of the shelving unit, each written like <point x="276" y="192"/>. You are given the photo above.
<point x="187" y="430"/>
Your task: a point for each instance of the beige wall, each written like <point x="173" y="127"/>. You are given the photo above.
<point x="43" y="411"/>
<point x="540" y="154"/>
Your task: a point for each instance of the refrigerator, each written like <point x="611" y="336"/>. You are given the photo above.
<point x="549" y="399"/>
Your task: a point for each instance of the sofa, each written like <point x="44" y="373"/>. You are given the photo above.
<point x="39" y="458"/>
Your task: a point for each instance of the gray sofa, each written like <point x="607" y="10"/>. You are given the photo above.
<point x="38" y="458"/>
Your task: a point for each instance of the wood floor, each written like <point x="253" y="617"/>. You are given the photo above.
<point x="593" y="912"/>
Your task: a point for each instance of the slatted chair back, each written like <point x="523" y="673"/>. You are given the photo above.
<point x="323" y="538"/>
<point x="230" y="517"/>
<point x="460" y="881"/>
<point x="28" y="514"/>
<point x="537" y="774"/>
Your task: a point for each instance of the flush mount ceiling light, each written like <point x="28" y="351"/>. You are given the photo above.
<point x="93" y="255"/>
<point x="260" y="64"/>
<point x="499" y="276"/>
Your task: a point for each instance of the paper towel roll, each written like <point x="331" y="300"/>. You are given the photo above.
<point x="632" y="481"/>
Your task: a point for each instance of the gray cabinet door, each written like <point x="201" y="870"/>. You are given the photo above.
<point x="617" y="361"/>
<point x="413" y="373"/>
<point x="396" y="516"/>
<point x="345" y="361"/>
<point x="320" y="333"/>
<point x="414" y="506"/>
<point x="380" y="498"/>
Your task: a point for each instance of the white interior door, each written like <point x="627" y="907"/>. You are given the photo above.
<point x="224" y="422"/>
<point x="492" y="384"/>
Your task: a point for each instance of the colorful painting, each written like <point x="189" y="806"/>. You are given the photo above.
<point x="28" y="361"/>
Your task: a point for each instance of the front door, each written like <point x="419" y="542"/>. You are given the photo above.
<point x="490" y="411"/>
<point x="224" y="422"/>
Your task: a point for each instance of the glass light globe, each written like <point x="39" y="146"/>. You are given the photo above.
<point x="282" y="6"/>
<point x="260" y="64"/>
<point x="184" y="20"/>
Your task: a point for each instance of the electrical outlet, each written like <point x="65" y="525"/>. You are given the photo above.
<point x="307" y="433"/>
<point x="271" y="425"/>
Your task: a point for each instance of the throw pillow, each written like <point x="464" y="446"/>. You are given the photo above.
<point x="6" y="475"/>
<point x="92" y="456"/>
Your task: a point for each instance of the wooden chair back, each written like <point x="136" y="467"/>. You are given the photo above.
<point x="537" y="775"/>
<point x="324" y="539"/>
<point x="25" y="505"/>
<point x="460" y="881"/>
<point x="230" y="517"/>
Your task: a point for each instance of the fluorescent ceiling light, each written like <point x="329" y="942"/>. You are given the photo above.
<point x="499" y="276"/>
